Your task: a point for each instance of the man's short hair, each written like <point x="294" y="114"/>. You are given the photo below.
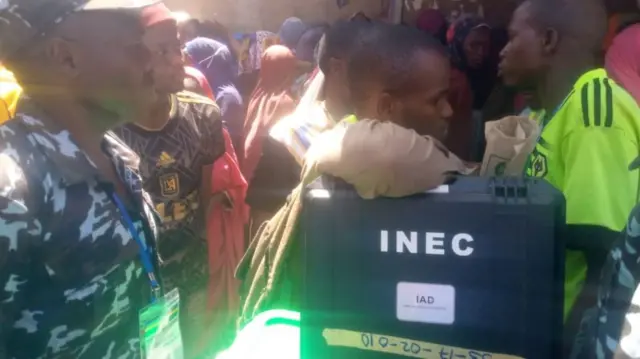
<point x="547" y="14"/>
<point x="583" y="20"/>
<point x="385" y="55"/>
<point x="338" y="42"/>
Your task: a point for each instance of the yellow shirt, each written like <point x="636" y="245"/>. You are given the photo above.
<point x="585" y="150"/>
<point x="9" y="94"/>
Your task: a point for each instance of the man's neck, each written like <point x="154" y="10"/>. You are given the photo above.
<point x="84" y="127"/>
<point x="158" y="114"/>
<point x="335" y="106"/>
<point x="560" y="80"/>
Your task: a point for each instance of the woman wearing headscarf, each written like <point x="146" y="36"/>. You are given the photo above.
<point x="434" y="23"/>
<point x="269" y="168"/>
<point x="291" y="31"/>
<point x="622" y="60"/>
<point x="217" y="64"/>
<point x="228" y="213"/>
<point x="469" y="39"/>
<point x="472" y="80"/>
<point x="249" y="49"/>
<point x="305" y="51"/>
<point x="246" y="48"/>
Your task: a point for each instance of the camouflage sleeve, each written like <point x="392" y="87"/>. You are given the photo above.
<point x="619" y="297"/>
<point x="18" y="229"/>
<point x="612" y="329"/>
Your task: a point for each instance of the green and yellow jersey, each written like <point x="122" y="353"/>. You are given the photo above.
<point x="584" y="150"/>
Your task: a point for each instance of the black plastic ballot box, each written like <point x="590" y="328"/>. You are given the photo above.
<point x="471" y="270"/>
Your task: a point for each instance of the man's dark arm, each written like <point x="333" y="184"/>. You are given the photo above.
<point x="590" y="239"/>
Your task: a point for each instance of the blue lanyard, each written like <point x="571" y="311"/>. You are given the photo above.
<point x="145" y="253"/>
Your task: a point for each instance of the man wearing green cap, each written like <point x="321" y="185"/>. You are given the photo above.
<point x="77" y="232"/>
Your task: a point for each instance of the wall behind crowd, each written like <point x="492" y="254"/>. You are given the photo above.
<point x="496" y="12"/>
<point x="248" y="15"/>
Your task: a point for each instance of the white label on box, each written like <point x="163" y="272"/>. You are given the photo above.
<point x="440" y="189"/>
<point x="425" y="303"/>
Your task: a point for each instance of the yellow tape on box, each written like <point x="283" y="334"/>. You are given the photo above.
<point x="403" y="346"/>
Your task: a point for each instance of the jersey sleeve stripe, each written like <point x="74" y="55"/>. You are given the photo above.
<point x="596" y="102"/>
<point x="608" y="93"/>
<point x="542" y="142"/>
<point x="584" y="95"/>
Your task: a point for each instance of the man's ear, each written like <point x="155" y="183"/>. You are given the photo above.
<point x="551" y="41"/>
<point x="386" y="107"/>
<point x="64" y="55"/>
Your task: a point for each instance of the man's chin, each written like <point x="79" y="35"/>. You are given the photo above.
<point x="146" y="98"/>
<point x="509" y="81"/>
<point x="475" y="64"/>
<point x="126" y="102"/>
<point x="169" y="88"/>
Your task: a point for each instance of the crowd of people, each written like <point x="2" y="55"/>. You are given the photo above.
<point x="153" y="164"/>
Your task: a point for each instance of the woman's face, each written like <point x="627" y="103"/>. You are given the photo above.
<point x="476" y="46"/>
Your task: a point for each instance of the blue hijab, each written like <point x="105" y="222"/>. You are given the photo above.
<point x="215" y="61"/>
<point x="220" y="68"/>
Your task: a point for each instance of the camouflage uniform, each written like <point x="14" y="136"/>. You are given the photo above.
<point x="72" y="279"/>
<point x="612" y="330"/>
<point x="619" y="298"/>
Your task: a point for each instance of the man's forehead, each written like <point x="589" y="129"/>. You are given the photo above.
<point x="523" y="19"/>
<point x="427" y="58"/>
<point x="161" y="32"/>
<point x="432" y="71"/>
<point x="522" y="15"/>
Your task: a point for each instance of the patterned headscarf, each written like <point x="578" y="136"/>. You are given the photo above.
<point x="253" y="45"/>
